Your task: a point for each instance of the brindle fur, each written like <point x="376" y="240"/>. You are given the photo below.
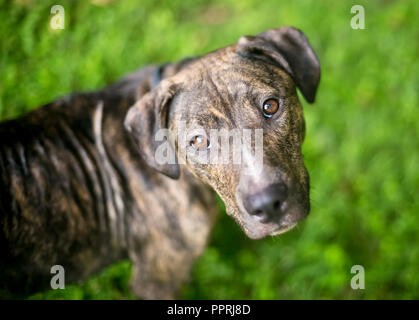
<point x="76" y="190"/>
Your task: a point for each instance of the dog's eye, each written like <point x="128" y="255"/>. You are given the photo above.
<point x="270" y="107"/>
<point x="200" y="143"/>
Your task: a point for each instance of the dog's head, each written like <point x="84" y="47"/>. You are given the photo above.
<point x="237" y="125"/>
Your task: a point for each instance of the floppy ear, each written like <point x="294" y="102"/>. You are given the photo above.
<point x="289" y="48"/>
<point x="144" y="119"/>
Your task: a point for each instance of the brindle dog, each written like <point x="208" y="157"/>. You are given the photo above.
<point x="80" y="185"/>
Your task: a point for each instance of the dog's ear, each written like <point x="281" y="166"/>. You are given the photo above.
<point x="289" y="48"/>
<point x="144" y="121"/>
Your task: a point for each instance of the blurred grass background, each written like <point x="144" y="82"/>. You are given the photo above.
<point x="362" y="145"/>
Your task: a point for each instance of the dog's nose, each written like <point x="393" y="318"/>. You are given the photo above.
<point x="268" y="204"/>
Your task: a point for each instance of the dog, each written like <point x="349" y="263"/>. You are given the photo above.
<point x="81" y="187"/>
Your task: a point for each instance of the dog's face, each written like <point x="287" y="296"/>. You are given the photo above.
<point x="238" y="126"/>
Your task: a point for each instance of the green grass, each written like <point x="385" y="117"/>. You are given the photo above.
<point x="362" y="145"/>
